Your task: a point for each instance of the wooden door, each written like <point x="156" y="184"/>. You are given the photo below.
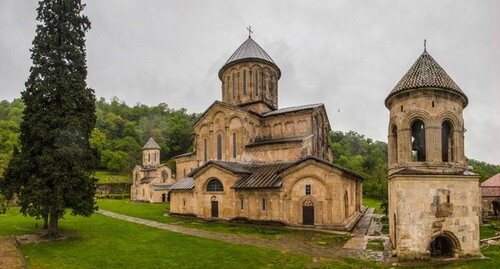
<point x="308" y="213"/>
<point x="215" y="209"/>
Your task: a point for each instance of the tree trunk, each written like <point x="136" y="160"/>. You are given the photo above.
<point x="45" y="222"/>
<point x="53" y="229"/>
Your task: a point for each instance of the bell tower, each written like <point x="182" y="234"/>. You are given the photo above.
<point x="151" y="153"/>
<point x="250" y="78"/>
<point x="434" y="201"/>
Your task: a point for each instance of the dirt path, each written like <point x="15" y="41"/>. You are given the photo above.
<point x="9" y="255"/>
<point x="287" y="244"/>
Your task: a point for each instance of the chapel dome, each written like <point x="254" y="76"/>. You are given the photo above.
<point x="426" y="73"/>
<point x="249" y="51"/>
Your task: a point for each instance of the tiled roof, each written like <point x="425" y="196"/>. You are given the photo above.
<point x="276" y="141"/>
<point x="146" y="179"/>
<point x="426" y="73"/>
<point x="185" y="183"/>
<point x="262" y="176"/>
<point x="493" y="181"/>
<point x="490" y="191"/>
<point x="160" y="187"/>
<point x="292" y="109"/>
<point x="249" y="50"/>
<point x="151" y="144"/>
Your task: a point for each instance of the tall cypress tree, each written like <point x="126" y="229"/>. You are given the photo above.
<point x="55" y="166"/>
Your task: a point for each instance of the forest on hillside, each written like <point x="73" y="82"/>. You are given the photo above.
<point x="122" y="130"/>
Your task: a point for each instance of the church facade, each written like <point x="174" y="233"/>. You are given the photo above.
<point x="152" y="180"/>
<point x="434" y="201"/>
<point x="253" y="160"/>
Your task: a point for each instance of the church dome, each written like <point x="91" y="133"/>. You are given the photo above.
<point x="248" y="51"/>
<point x="426" y="73"/>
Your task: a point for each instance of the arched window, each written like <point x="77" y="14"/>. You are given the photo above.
<point x="256" y="83"/>
<point x="245" y="82"/>
<point x="447" y="142"/>
<point x="164" y="176"/>
<point x="234" y="145"/>
<point x="219" y="147"/>
<point x="394" y="147"/>
<point x="264" y="205"/>
<point x="234" y="85"/>
<point x="241" y="203"/>
<point x="149" y="157"/>
<point x="227" y="85"/>
<point x="155" y="157"/>
<point x="215" y="185"/>
<point x="418" y="141"/>
<point x="205" y="150"/>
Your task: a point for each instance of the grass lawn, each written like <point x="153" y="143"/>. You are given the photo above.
<point x="490" y="229"/>
<point x="110" y="177"/>
<point x="102" y="242"/>
<point x="156" y="211"/>
<point x="370" y="202"/>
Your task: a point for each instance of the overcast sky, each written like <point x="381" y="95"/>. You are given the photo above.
<point x="345" y="54"/>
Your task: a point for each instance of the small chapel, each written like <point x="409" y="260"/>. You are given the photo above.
<point x="152" y="180"/>
<point x="252" y="160"/>
<point x="434" y="201"/>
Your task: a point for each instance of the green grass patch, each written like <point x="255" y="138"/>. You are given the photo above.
<point x="370" y="202"/>
<point x="375" y="245"/>
<point x="103" y="242"/>
<point x="110" y="177"/>
<point x="490" y="229"/>
<point x="14" y="223"/>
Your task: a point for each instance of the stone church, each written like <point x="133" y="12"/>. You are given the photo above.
<point x="434" y="201"/>
<point x="253" y="160"/>
<point x="151" y="181"/>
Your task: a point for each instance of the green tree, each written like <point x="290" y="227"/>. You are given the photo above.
<point x="58" y="120"/>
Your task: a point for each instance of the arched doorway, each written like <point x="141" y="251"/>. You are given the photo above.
<point x="163" y="198"/>
<point x="215" y="208"/>
<point x="444" y="245"/>
<point x="308" y="212"/>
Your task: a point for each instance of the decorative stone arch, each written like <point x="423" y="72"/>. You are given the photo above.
<point x="444" y="244"/>
<point x="451" y="117"/>
<point x="325" y="185"/>
<point x="414" y="115"/>
<point x="209" y="181"/>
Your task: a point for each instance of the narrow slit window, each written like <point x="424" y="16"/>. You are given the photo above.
<point x="234" y="85"/>
<point x="219" y="147"/>
<point x="256" y="84"/>
<point x="263" y="203"/>
<point x="308" y="189"/>
<point x="244" y="82"/>
<point x="205" y="156"/>
<point x="234" y="145"/>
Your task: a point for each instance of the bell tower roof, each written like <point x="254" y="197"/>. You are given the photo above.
<point x="151" y="144"/>
<point x="249" y="50"/>
<point x="426" y="73"/>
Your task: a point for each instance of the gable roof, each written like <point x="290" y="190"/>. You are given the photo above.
<point x="292" y="109"/>
<point x="151" y="144"/>
<point x="493" y="181"/>
<point x="185" y="183"/>
<point x="226" y="105"/>
<point x="255" y="175"/>
<point x="426" y="73"/>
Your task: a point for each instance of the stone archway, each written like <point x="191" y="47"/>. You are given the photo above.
<point x="444" y="245"/>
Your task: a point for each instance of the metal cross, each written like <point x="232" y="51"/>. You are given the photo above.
<point x="250" y="32"/>
<point x="425" y="46"/>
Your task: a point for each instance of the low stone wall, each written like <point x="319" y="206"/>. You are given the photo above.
<point x="113" y="190"/>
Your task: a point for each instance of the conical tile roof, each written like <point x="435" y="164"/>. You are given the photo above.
<point x="426" y="73"/>
<point x="151" y="144"/>
<point x="249" y="50"/>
